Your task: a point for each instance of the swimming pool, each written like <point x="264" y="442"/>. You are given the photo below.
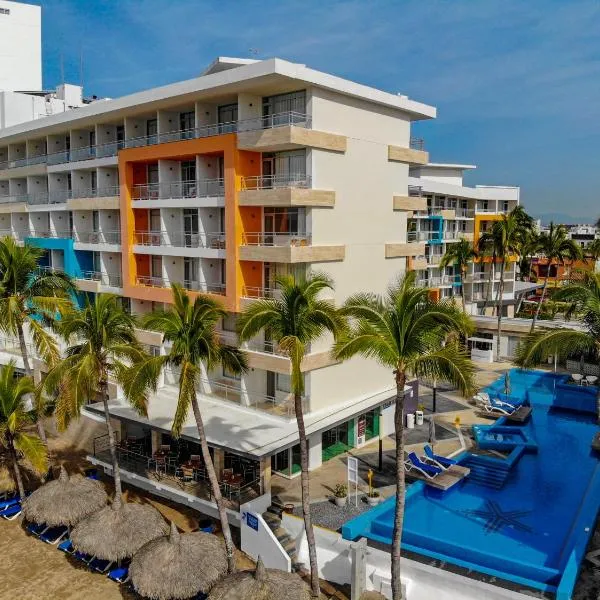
<point x="533" y="530"/>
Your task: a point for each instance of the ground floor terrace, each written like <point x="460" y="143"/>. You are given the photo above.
<point x="248" y="447"/>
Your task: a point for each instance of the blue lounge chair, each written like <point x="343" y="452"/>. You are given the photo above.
<point x="10" y="502"/>
<point x="10" y="513"/>
<point x="54" y="535"/>
<point x="436" y="459"/>
<point x="99" y="565"/>
<point x="66" y="546"/>
<point x="36" y="528"/>
<point x="119" y="574"/>
<point x="92" y="474"/>
<point x="415" y="463"/>
<point x="83" y="557"/>
<point x="7" y="496"/>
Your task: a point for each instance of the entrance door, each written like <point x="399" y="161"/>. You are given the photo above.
<point x="268" y="172"/>
<point x="190" y="228"/>
<point x="270" y="384"/>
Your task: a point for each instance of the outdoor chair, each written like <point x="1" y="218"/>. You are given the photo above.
<point x="66" y="546"/>
<point x="413" y="463"/>
<point x="577" y="378"/>
<point x="36" y="529"/>
<point x="11" y="512"/>
<point x="591" y="380"/>
<point x="439" y="461"/>
<point x="119" y="574"/>
<point x="54" y="535"/>
<point x="495" y="406"/>
<point x="99" y="565"/>
<point x="10" y="502"/>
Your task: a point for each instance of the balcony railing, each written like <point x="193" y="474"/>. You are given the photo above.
<point x="50" y="234"/>
<point x="103" y="192"/>
<point x="97" y="237"/>
<point x="181" y="239"/>
<point x="203" y="188"/>
<point x="417" y="143"/>
<point x="265" y="346"/>
<point x="260" y="292"/>
<point x="194" y="286"/>
<point x="434" y="259"/>
<point x="268" y="182"/>
<point x="415" y="191"/>
<point x="422" y="236"/>
<point x="281" y="119"/>
<point x="40" y="159"/>
<point x="276" y="239"/>
<point x="108" y="279"/>
<point x="438" y="281"/>
<point x="465" y="213"/>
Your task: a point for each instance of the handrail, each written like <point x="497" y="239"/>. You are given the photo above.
<point x="108" y="279"/>
<point x="181" y="239"/>
<point x="276" y="239"/>
<point x="202" y="188"/>
<point x="281" y="119"/>
<point x="417" y="143"/>
<point x="260" y="292"/>
<point x="97" y="237"/>
<point x="194" y="286"/>
<point x="415" y="191"/>
<point x="267" y="182"/>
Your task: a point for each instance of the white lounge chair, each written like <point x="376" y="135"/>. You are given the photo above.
<point x="481" y="396"/>
<point x="495" y="406"/>
<point x="591" y="380"/>
<point x="577" y="378"/>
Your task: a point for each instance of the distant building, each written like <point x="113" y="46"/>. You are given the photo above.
<point x="440" y="211"/>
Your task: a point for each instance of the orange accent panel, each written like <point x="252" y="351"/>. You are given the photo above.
<point x="435" y="294"/>
<point x="142" y="264"/>
<point x="141" y="219"/>
<point x="140" y="175"/>
<point x="252" y="273"/>
<point x="236" y="165"/>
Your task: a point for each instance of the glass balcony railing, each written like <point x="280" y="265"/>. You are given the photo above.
<point x="180" y="239"/>
<point x="276" y="239"/>
<point x="203" y="188"/>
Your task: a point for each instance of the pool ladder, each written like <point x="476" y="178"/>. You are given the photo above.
<point x="483" y="473"/>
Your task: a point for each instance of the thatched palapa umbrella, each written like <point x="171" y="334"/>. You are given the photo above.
<point x="178" y="566"/>
<point x="263" y="584"/>
<point x="118" y="530"/>
<point x="65" y="501"/>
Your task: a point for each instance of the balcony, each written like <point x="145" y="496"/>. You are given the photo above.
<point x="285" y="131"/>
<point x="95" y="281"/>
<point x="182" y="134"/>
<point x="465" y="213"/>
<point x="93" y="198"/>
<point x="192" y="286"/>
<point x="50" y="234"/>
<point x="179" y="194"/>
<point x="287" y="248"/>
<point x="112" y="238"/>
<point x="283" y="190"/>
<point x="440" y="281"/>
<point x="415" y="201"/>
<point x="26" y="166"/>
<point x="415" y="154"/>
<point x="179" y="243"/>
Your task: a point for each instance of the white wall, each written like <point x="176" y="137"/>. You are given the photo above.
<point x="422" y="581"/>
<point x="20" y="47"/>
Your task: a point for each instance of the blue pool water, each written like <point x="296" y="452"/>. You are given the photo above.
<point x="531" y="531"/>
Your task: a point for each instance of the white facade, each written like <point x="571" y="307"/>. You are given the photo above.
<point x="20" y="47"/>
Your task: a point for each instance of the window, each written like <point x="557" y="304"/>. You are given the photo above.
<point x="94" y="181"/>
<point x="283" y="103"/>
<point x="230" y="375"/>
<point x="187" y="120"/>
<point x="156" y="266"/>
<point x="284" y="220"/>
<point x="228" y="113"/>
<point x="95" y="220"/>
<point x="188" y="170"/>
<point x="283" y="383"/>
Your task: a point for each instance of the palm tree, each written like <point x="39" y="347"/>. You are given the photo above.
<point x="15" y="422"/>
<point x="410" y="334"/>
<point x="584" y="299"/>
<point x="191" y="327"/>
<point x="294" y="320"/>
<point x="102" y="346"/>
<point x="528" y="247"/>
<point x="34" y="297"/>
<point x="556" y="247"/>
<point x="461" y="255"/>
<point x="593" y="250"/>
<point x="504" y="237"/>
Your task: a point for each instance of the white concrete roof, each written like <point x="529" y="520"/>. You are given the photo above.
<point x="230" y="80"/>
<point x="449" y="166"/>
<point x="479" y="192"/>
<point x="231" y="426"/>
<point x="222" y="63"/>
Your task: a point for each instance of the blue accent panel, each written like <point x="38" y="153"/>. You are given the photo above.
<point x="437" y="229"/>
<point x="85" y="260"/>
<point x="71" y="265"/>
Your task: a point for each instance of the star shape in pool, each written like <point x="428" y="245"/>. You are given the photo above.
<point x="496" y="519"/>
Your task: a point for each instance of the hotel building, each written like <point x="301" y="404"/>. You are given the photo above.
<point x="221" y="183"/>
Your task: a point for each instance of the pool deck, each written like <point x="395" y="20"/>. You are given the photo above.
<point x="444" y="481"/>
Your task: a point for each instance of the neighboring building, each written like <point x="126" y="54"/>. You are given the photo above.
<point x="441" y="210"/>
<point x="221" y="183"/>
<point x="584" y="235"/>
<point x="20" y="47"/>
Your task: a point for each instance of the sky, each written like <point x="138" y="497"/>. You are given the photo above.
<point x="516" y="84"/>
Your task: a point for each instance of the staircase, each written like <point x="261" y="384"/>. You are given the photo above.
<point x="485" y="472"/>
<point x="272" y="517"/>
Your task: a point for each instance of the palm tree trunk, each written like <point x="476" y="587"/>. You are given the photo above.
<point x="539" y="306"/>
<point x="400" y="486"/>
<point x="490" y="284"/>
<point x="214" y="484"/>
<point x="500" y="308"/>
<point x="16" y="469"/>
<point x="304" y="479"/>
<point x="29" y="373"/>
<point x="462" y="291"/>
<point x="112" y="445"/>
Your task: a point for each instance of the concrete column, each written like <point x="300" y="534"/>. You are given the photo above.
<point x="155" y="440"/>
<point x="244" y="396"/>
<point x="219" y="461"/>
<point x="315" y="451"/>
<point x="265" y="475"/>
<point x="358" y="559"/>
